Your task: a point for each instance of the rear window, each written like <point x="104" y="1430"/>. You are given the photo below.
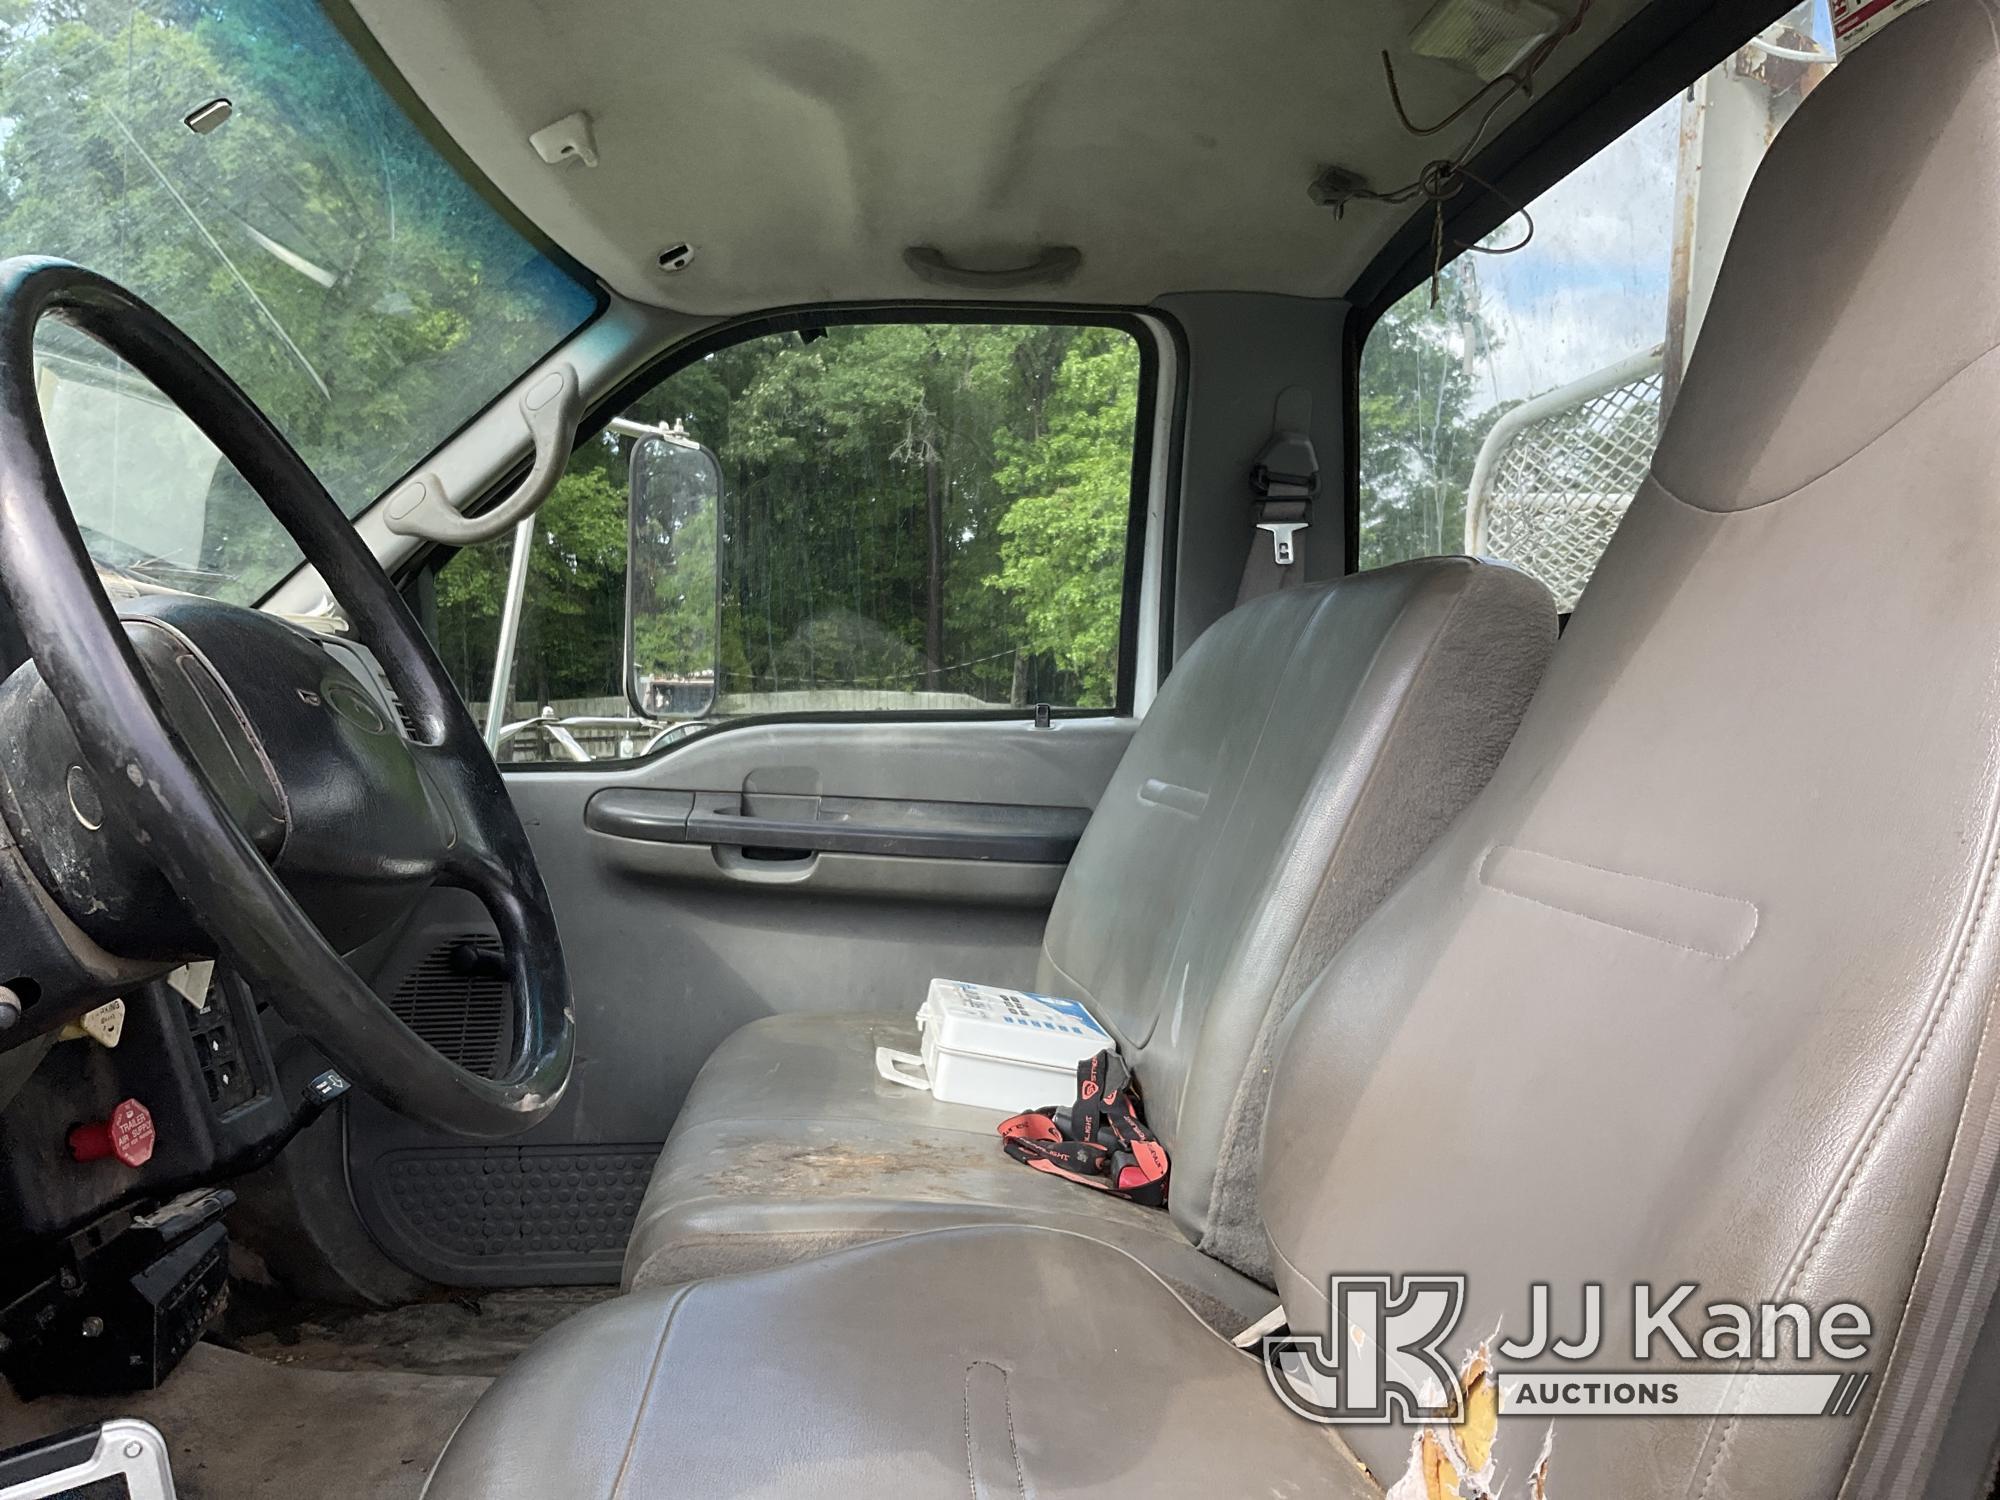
<point x="1514" y="415"/>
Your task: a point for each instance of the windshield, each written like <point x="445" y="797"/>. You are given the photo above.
<point x="234" y="163"/>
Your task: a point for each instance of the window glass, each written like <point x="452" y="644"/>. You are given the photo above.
<point x="235" y="164"/>
<point x="869" y="518"/>
<point x="1515" y="414"/>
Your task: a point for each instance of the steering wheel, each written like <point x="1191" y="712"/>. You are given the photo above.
<point x="201" y="751"/>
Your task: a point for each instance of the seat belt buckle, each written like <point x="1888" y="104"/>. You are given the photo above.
<point x="1283" y="552"/>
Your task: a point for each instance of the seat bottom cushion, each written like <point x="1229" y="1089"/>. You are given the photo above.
<point x="987" y="1361"/>
<point x="791" y="1144"/>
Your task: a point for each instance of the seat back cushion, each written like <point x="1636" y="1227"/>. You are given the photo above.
<point x="1300" y="756"/>
<point x="1691" y="993"/>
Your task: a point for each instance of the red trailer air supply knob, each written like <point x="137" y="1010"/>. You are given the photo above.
<point x="127" y="1135"/>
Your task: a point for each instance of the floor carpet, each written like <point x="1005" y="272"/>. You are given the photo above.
<point x="327" y="1404"/>
<point x="242" y="1428"/>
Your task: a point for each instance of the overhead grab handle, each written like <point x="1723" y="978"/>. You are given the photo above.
<point x="550" y="407"/>
<point x="1055" y="264"/>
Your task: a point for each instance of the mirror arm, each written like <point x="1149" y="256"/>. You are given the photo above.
<point x="500" y="692"/>
<point x="551" y="407"/>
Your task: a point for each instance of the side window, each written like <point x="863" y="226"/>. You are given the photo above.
<point x="1514" y="415"/>
<point x="867" y="518"/>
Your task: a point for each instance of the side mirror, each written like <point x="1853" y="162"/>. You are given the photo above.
<point x="672" y="605"/>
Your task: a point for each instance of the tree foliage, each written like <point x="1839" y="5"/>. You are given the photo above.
<point x="1063" y="541"/>
<point x="315" y="245"/>
<point x="936" y="507"/>
<point x="842" y="458"/>
<point x="1419" y="433"/>
<point x="833" y="453"/>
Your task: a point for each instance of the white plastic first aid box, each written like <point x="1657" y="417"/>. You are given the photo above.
<point x="994" y="1048"/>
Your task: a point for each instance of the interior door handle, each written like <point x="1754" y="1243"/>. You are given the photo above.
<point x="834" y="825"/>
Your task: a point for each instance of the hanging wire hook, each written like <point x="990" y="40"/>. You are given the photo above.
<point x="1441" y="182"/>
<point x="1445" y="178"/>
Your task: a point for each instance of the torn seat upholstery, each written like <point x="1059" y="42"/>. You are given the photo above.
<point x="1297" y="760"/>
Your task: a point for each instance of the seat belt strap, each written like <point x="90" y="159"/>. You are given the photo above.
<point x="1923" y="1438"/>
<point x="1285" y="478"/>
<point x="1100" y="1141"/>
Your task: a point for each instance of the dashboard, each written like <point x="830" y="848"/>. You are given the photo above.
<point x="223" y="1079"/>
<point x="130" y="1092"/>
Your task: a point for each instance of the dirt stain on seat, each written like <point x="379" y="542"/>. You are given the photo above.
<point x="767" y="1167"/>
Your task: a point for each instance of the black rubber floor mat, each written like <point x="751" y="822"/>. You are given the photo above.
<point x="506" y="1215"/>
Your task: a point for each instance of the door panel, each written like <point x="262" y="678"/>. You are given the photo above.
<point x="753" y="871"/>
<point x="892" y="516"/>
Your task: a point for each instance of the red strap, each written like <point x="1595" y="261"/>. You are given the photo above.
<point x="1099" y="1141"/>
<point x="1035" y="1125"/>
<point x="1149" y="1165"/>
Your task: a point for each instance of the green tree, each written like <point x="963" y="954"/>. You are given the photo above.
<point x="896" y="499"/>
<point x="576" y="587"/>
<point x="315" y="245"/>
<point x="1418" y="437"/>
<point x="1064" y="539"/>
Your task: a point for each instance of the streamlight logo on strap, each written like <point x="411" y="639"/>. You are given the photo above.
<point x="1689" y="1358"/>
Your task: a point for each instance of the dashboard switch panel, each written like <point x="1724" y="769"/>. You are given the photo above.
<point x="218" y="1050"/>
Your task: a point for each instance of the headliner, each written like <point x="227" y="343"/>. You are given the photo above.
<point x="802" y="147"/>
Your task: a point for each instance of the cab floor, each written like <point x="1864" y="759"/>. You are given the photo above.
<point x="241" y="1427"/>
<point x="474" y="1333"/>
<point x="326" y="1405"/>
